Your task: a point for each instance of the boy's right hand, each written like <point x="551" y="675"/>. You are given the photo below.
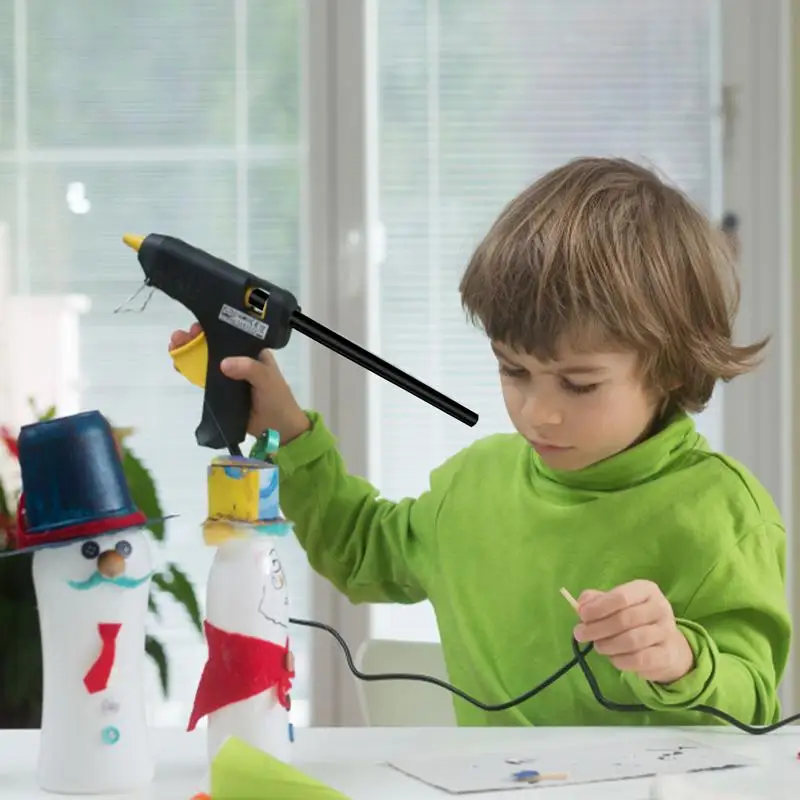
<point x="273" y="404"/>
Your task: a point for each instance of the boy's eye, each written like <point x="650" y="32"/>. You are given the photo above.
<point x="578" y="388"/>
<point x="512" y="372"/>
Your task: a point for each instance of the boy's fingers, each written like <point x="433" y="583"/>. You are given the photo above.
<point x="242" y="368"/>
<point x="257" y="372"/>
<point x="179" y="338"/>
<point x="266" y="357"/>
<point x="601" y="607"/>
<point x="629" y="619"/>
<point x="587" y="595"/>
<point x="632" y="641"/>
<point x="609" y="603"/>
<point x="636" y="591"/>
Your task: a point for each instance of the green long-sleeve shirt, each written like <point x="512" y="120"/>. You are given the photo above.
<point x="496" y="535"/>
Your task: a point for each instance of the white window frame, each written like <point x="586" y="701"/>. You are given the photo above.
<point x="344" y="251"/>
<point x="757" y="171"/>
<point x="342" y="214"/>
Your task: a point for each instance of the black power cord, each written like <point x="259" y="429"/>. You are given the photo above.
<point x="578" y="660"/>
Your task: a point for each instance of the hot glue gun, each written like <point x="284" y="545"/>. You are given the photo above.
<point x="240" y="315"/>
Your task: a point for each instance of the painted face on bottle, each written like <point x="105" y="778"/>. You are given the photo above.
<point x="247" y="590"/>
<point x="274" y="595"/>
<point x="103" y="573"/>
<point x="121" y="560"/>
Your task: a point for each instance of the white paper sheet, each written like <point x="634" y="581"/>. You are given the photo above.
<point x="583" y="764"/>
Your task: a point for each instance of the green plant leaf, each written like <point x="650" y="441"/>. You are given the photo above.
<point x="155" y="650"/>
<point x="143" y="492"/>
<point x="180" y="587"/>
<point x="42" y="417"/>
<point x="152" y="606"/>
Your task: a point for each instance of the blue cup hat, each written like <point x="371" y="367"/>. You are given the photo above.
<point x="73" y="484"/>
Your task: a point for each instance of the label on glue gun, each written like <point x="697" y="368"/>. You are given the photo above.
<point x="244" y="322"/>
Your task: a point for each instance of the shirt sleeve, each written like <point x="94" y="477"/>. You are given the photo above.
<point x="372" y="549"/>
<point x="739" y="629"/>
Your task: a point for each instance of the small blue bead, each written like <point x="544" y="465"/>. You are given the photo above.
<point x="291" y="732"/>
<point x="110" y="735"/>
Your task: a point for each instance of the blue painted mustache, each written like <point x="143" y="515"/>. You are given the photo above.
<point x="96" y="579"/>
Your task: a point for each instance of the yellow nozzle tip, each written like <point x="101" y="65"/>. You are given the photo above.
<point x="133" y="241"/>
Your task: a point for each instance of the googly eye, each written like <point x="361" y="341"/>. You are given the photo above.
<point x="90" y="550"/>
<point x="278" y="580"/>
<point x="124" y="548"/>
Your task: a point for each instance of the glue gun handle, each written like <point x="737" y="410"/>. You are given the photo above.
<point x="226" y="410"/>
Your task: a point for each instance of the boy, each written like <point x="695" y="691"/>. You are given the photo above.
<point x="608" y="301"/>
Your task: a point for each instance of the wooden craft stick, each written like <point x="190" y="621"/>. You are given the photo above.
<point x="569" y="598"/>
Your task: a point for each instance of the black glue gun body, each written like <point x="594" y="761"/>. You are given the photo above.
<point x="240" y="315"/>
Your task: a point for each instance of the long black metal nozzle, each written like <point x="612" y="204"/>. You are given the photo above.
<point x="383" y="369"/>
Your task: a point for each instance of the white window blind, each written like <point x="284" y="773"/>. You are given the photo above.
<point x="477" y="99"/>
<point x="179" y="117"/>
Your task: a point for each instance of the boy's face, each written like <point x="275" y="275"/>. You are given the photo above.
<point x="579" y="409"/>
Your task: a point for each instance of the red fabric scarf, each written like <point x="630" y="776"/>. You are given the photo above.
<point x="239" y="667"/>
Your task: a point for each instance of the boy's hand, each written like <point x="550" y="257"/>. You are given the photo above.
<point x="634" y="626"/>
<point x="273" y="404"/>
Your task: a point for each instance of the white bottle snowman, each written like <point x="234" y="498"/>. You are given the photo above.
<point x="91" y="570"/>
<point x="245" y="685"/>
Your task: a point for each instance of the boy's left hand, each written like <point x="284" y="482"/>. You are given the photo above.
<point x="634" y="626"/>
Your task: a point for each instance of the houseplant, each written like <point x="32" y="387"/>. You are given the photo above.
<point x="20" y="647"/>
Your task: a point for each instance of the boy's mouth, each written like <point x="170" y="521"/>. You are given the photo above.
<point x="545" y="448"/>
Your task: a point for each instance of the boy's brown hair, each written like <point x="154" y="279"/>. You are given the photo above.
<point x="602" y="253"/>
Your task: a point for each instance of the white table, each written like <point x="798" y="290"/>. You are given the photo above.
<point x="349" y="759"/>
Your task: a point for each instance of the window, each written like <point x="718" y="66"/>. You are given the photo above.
<point x="476" y="101"/>
<point x="184" y="117"/>
<point x="180" y="118"/>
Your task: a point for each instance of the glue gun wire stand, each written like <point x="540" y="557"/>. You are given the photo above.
<point x="579" y="659"/>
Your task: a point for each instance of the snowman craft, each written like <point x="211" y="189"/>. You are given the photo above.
<point x="91" y="573"/>
<point x="245" y="684"/>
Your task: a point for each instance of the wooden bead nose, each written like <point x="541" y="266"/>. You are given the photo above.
<point x="110" y="564"/>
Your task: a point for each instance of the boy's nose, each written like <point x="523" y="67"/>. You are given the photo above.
<point x="538" y="413"/>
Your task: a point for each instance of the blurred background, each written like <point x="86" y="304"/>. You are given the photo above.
<point x="354" y="152"/>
